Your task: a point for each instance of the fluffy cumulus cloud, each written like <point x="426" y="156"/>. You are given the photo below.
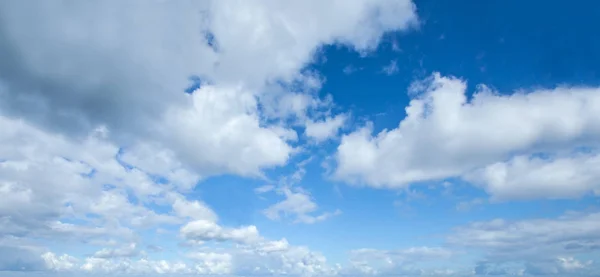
<point x="523" y="145"/>
<point x="100" y="143"/>
<point x="252" y="255"/>
<point x="77" y="66"/>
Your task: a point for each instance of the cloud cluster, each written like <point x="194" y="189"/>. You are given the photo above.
<point x="80" y="66"/>
<point x="524" y="145"/>
<point x="100" y="142"/>
<point x="533" y="246"/>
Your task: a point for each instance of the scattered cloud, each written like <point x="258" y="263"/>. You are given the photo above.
<point x="391" y="68"/>
<point x="299" y="205"/>
<point x="204" y="230"/>
<point x="325" y="129"/>
<point x="464" y="206"/>
<point x="264" y="189"/>
<point x="349" y="69"/>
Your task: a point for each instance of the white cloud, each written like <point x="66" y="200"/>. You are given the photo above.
<point x="76" y="177"/>
<point x="532" y="239"/>
<point x="563" y="246"/>
<point x="391" y="68"/>
<point x="222" y="133"/>
<point x="78" y="70"/>
<point x="401" y="261"/>
<point x="195" y="209"/>
<point x="298" y="204"/>
<point x="127" y="266"/>
<point x="151" y="158"/>
<point x="532" y="177"/>
<point x="247" y="260"/>
<point x="212" y="263"/>
<point x="284" y="260"/>
<point x="264" y="189"/>
<point x="49" y="178"/>
<point x="570" y="263"/>
<point x="444" y="135"/>
<point x="203" y="230"/>
<point x="325" y="129"/>
<point x="99" y="141"/>
<point x="129" y="250"/>
<point x="278" y="40"/>
<point x="59" y="263"/>
<point x="251" y="255"/>
<point x="349" y="69"/>
<point x="560" y="265"/>
<point x="468" y="205"/>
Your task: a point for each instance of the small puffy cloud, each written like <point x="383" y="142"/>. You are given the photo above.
<point x="264" y="189"/>
<point x="349" y="69"/>
<point x="325" y="129"/>
<point x="203" y="230"/>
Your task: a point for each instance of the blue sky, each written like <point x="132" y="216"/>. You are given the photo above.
<point x="261" y="138"/>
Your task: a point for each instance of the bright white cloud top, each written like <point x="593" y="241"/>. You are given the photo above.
<point x="497" y="136"/>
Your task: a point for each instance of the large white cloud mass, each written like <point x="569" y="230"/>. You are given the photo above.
<point x="523" y="145"/>
<point x="99" y="141"/>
